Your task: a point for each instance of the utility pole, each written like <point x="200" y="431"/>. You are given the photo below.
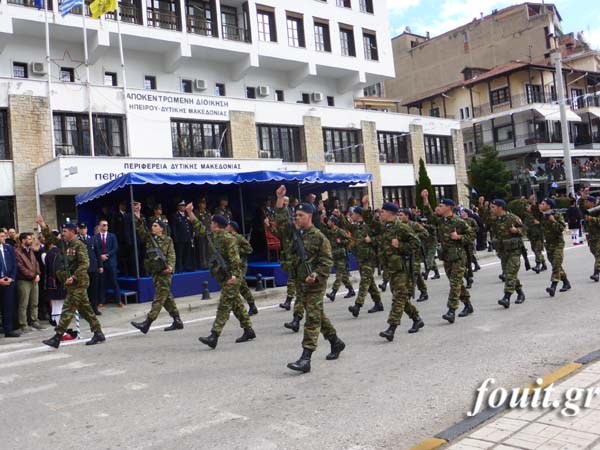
<point x="564" y="124"/>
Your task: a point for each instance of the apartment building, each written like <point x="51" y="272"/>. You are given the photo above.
<point x="212" y="86"/>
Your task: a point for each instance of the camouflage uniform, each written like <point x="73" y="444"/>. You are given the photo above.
<point x="430" y="243"/>
<point x="340" y="241"/>
<point x="162" y="218"/>
<point x="554" y="241"/>
<point x="471" y="245"/>
<point x="453" y="254"/>
<point x="592" y="228"/>
<point x="244" y="250"/>
<point x="508" y="246"/>
<point x="77" y="297"/>
<point x="155" y="267"/>
<point x="318" y="253"/>
<point x="230" y="300"/>
<point x="417" y="277"/>
<point x="536" y="237"/>
<point x="285" y="261"/>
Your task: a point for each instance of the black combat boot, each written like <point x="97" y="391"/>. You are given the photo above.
<point x="287" y="304"/>
<point x="389" y="333"/>
<point x="252" y="309"/>
<point x="468" y="309"/>
<point x="520" y="296"/>
<point x="211" y="340"/>
<point x="417" y="325"/>
<point x="355" y="309"/>
<point x="331" y="295"/>
<point x="248" y="335"/>
<point x="469" y="283"/>
<point x="436" y="274"/>
<point x="424" y="296"/>
<point x="303" y="364"/>
<point x="143" y="326"/>
<point x="596" y="276"/>
<point x="350" y="293"/>
<point x="97" y="338"/>
<point x="425" y="274"/>
<point x="294" y="325"/>
<point x="552" y="289"/>
<point x="377" y="307"/>
<point x="176" y="325"/>
<point x="502" y="276"/>
<point x="505" y="301"/>
<point x="54" y="341"/>
<point x="337" y="347"/>
<point x="544" y="267"/>
<point x="566" y="286"/>
<point x="449" y="316"/>
<point x="537" y="268"/>
<point x="383" y="286"/>
<point x="477" y="267"/>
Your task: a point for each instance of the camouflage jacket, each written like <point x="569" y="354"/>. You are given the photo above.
<point x="153" y="263"/>
<point x="451" y="250"/>
<point x="363" y="251"/>
<point x="396" y="259"/>
<point x="316" y="246"/>
<point x="226" y="244"/>
<point x="533" y="230"/>
<point x="473" y="224"/>
<point x="553" y="231"/>
<point x="431" y="239"/>
<point x="77" y="261"/>
<point x="504" y="240"/>
<point x="244" y="247"/>
<point x="338" y="249"/>
<point x="422" y="235"/>
<point x="204" y="216"/>
<point x="592" y="227"/>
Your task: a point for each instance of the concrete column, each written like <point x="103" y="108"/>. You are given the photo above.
<point x="371" y="155"/>
<point x="460" y="166"/>
<point x="242" y="126"/>
<point x="417" y="144"/>
<point x="313" y="146"/>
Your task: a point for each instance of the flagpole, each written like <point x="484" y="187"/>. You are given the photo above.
<point x="47" y="30"/>
<point x="87" y="73"/>
<point x="125" y="99"/>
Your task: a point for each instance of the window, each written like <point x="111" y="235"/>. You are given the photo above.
<point x="322" y="38"/>
<point x="366" y="6"/>
<point x="344" y="3"/>
<point x="445" y="191"/>
<point x="200" y="18"/>
<point x="438" y="150"/>
<point x="220" y="90"/>
<point x="465" y="113"/>
<point x="72" y="134"/>
<point x="277" y="141"/>
<point x="163" y="14"/>
<point x="66" y="74"/>
<point x="330" y="100"/>
<point x="499" y="96"/>
<point x="305" y="98"/>
<point x="503" y="133"/>
<point x="110" y="79"/>
<point x="250" y="92"/>
<point x="534" y="93"/>
<point x="7" y="212"/>
<point x="279" y="95"/>
<point x="295" y="27"/>
<point x="266" y="26"/>
<point x="394" y="147"/>
<point x="403" y="196"/>
<point x="548" y="37"/>
<point x="342" y="145"/>
<point x="370" y="46"/>
<point x="375" y="90"/>
<point x="434" y="112"/>
<point x="577" y="101"/>
<point x="20" y="70"/>
<point x="4" y="143"/>
<point x="186" y="86"/>
<point x="347" y="41"/>
<point x="198" y="139"/>
<point x="149" y="82"/>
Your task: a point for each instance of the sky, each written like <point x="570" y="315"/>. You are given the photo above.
<point x="439" y="16"/>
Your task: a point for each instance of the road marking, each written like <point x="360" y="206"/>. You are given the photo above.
<point x="136" y="386"/>
<point x="39" y="359"/>
<point x="28" y="391"/>
<point x="9" y="378"/>
<point x="14" y="346"/>
<point x="75" y="365"/>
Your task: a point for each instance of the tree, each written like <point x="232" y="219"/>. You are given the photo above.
<point x="424" y="182"/>
<point x="489" y="175"/>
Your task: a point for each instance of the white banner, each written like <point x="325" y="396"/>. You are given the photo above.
<point x="179" y="105"/>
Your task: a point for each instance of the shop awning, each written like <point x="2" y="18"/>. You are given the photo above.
<point x="554" y="114"/>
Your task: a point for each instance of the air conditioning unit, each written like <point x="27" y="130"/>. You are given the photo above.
<point x="38" y="68"/>
<point x="212" y="153"/>
<point x="264" y="154"/>
<point x="263" y="91"/>
<point x="200" y="85"/>
<point x="329" y="157"/>
<point x="317" y="96"/>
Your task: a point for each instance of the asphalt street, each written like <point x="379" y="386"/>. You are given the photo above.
<point x="168" y="391"/>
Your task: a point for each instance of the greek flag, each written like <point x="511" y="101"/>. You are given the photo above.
<point x="67" y="5"/>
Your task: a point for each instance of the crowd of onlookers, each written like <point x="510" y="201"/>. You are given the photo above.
<point x="553" y="170"/>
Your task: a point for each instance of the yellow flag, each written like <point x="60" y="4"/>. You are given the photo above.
<point x="99" y="7"/>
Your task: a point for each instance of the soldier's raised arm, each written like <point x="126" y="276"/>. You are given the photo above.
<point x="196" y="223"/>
<point x="281" y="213"/>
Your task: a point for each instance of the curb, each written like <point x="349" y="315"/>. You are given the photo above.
<point x="470" y="423"/>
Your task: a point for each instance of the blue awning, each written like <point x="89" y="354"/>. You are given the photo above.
<point x="200" y="179"/>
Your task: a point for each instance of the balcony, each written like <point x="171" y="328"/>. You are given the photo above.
<point x="516" y="101"/>
<point x="233" y="33"/>
<point x="129" y="14"/>
<point x="199" y="25"/>
<point x="29" y="3"/>
<point x="167" y="20"/>
<point x="525" y="140"/>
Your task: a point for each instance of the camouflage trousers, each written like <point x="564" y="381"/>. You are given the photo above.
<point x="77" y="300"/>
<point x="417" y="279"/>
<point x="537" y="246"/>
<point x="245" y="291"/>
<point x="162" y="297"/>
<point x="455" y="271"/>
<point x="556" y="254"/>
<point x="511" y="263"/>
<point x="430" y="251"/>
<point x="316" y="320"/>
<point x="342" y="274"/>
<point x="291" y="287"/>
<point x="230" y="301"/>
<point x="367" y="284"/>
<point x="400" y="285"/>
<point x="595" y="250"/>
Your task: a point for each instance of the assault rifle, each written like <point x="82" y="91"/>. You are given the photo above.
<point x="525" y="258"/>
<point x="217" y="258"/>
<point x="298" y="245"/>
<point x="157" y="254"/>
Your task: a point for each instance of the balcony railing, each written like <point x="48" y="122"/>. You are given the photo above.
<point x="29" y="3"/>
<point x="166" y="20"/>
<point x="199" y="25"/>
<point x="515" y="101"/>
<point x="129" y="14"/>
<point x="587" y="139"/>
<point x="529" y="139"/>
<point x="589" y="102"/>
<point x="233" y="33"/>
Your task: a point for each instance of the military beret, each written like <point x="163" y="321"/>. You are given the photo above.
<point x="220" y="220"/>
<point x="499" y="202"/>
<point x="447" y="202"/>
<point x="234" y="225"/>
<point x="405" y="211"/>
<point x="69" y="226"/>
<point x="160" y="224"/>
<point x="334" y="220"/>
<point x="550" y="202"/>
<point x="306" y="208"/>
<point x="157" y="206"/>
<point x="391" y="207"/>
<point x="82" y="225"/>
<point x="358" y="210"/>
<point x="591" y="199"/>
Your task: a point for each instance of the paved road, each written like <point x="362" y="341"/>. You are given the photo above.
<point x="167" y="391"/>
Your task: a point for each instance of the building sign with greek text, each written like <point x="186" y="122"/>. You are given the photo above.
<point x="178" y="105"/>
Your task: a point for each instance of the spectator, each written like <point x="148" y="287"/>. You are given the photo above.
<point x="183" y="233"/>
<point x="12" y="237"/>
<point x="574" y="219"/>
<point x="94" y="256"/>
<point x="108" y="245"/>
<point x="55" y="291"/>
<point x="28" y="278"/>
<point x="8" y="275"/>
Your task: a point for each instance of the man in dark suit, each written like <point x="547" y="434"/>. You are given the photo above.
<point x="183" y="233"/>
<point x="8" y="275"/>
<point x="108" y="247"/>
<point x="118" y="225"/>
<point x="94" y="256"/>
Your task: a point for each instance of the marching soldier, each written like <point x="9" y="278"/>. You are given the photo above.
<point x="159" y="263"/>
<point x="422" y="234"/>
<point x="453" y="232"/>
<point x="398" y="244"/>
<point x="507" y="230"/>
<point x="430" y="244"/>
<point x="158" y="216"/>
<point x="244" y="250"/>
<point x="467" y="216"/>
<point x="311" y="276"/>
<point x="535" y="235"/>
<point x="592" y="228"/>
<point x="201" y="243"/>
<point x="553" y="226"/>
<point x="340" y="242"/>
<point x="72" y="271"/>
